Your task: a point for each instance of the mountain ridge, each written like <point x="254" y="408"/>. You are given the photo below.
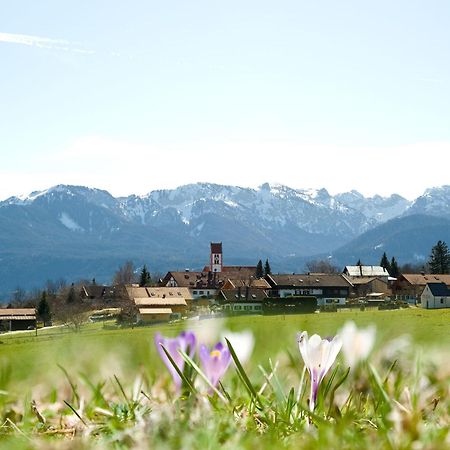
<point x="65" y="229"/>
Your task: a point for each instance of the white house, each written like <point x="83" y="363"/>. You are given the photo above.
<point x="435" y="295"/>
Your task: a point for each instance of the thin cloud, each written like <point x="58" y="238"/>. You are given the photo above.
<point x="42" y="42"/>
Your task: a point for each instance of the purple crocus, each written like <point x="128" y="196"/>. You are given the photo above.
<point x="318" y="355"/>
<point x="214" y="362"/>
<point x="185" y="342"/>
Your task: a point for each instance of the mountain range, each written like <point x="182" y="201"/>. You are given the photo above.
<point x="75" y="232"/>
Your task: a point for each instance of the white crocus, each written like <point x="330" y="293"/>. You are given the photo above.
<point x="357" y="343"/>
<point x="242" y="342"/>
<point x="318" y="355"/>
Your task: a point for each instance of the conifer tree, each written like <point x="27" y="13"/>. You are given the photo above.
<point x="259" y="270"/>
<point x="384" y="262"/>
<point x="71" y="296"/>
<point x="393" y="270"/>
<point x="43" y="309"/>
<point x="145" y="278"/>
<point x="439" y="261"/>
<point x="267" y="269"/>
<point x="359" y="263"/>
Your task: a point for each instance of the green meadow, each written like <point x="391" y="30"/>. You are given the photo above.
<point x="106" y="387"/>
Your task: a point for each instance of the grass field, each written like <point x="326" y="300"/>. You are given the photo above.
<point x="123" y="395"/>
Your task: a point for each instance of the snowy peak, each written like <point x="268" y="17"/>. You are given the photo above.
<point x="61" y="193"/>
<point x="268" y="207"/>
<point x="377" y="208"/>
<point x="434" y="202"/>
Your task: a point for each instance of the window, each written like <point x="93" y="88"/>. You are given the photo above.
<point x="329" y="300"/>
<point x="195" y="292"/>
<point x="237" y="307"/>
<point x="442" y="300"/>
<point x="200" y="292"/>
<point x="257" y="308"/>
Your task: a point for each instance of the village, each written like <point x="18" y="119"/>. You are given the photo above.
<point x="221" y="290"/>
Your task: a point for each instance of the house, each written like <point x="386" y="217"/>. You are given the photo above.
<point x="242" y="300"/>
<point x="327" y="288"/>
<point x="208" y="282"/>
<point x="12" y="319"/>
<point x="101" y="294"/>
<point x="435" y="295"/>
<point x="366" y="271"/>
<point x="409" y="286"/>
<point x="158" y="304"/>
<point x="199" y="284"/>
<point x="369" y="287"/>
<point x="255" y="283"/>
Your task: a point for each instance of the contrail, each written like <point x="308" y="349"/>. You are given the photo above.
<point x="41" y="42"/>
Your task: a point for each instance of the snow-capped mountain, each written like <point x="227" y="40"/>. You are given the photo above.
<point x="379" y="209"/>
<point x="75" y="231"/>
<point x="434" y="202"/>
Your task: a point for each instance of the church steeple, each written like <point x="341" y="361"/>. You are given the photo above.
<point x="216" y="262"/>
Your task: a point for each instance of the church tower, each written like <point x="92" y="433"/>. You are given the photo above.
<point x="216" y="262"/>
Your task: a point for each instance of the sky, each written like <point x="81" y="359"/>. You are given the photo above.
<point x="142" y="95"/>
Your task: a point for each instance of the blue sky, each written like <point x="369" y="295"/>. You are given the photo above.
<point x="134" y="96"/>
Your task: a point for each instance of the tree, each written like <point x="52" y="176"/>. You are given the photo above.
<point x="439" y="261"/>
<point x="259" y="270"/>
<point x="267" y="269"/>
<point x="145" y="278"/>
<point x="412" y="268"/>
<point x="359" y="263"/>
<point x="19" y="296"/>
<point x="321" y="266"/>
<point x="393" y="270"/>
<point x="69" y="308"/>
<point x="43" y="309"/>
<point x="125" y="274"/>
<point x="71" y="296"/>
<point x="384" y="262"/>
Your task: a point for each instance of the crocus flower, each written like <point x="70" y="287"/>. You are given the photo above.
<point x="356" y="343"/>
<point x="242" y="342"/>
<point x="185" y="341"/>
<point x="214" y="362"/>
<point x="318" y="355"/>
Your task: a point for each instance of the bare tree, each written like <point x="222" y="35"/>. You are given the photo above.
<point x="69" y="308"/>
<point x="18" y="296"/>
<point x="125" y="274"/>
<point x="412" y="268"/>
<point x="321" y="266"/>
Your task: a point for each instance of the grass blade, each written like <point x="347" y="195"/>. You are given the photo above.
<point x="72" y="385"/>
<point x="242" y="374"/>
<point x="179" y="372"/>
<point x="75" y="412"/>
<point x="189" y="360"/>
